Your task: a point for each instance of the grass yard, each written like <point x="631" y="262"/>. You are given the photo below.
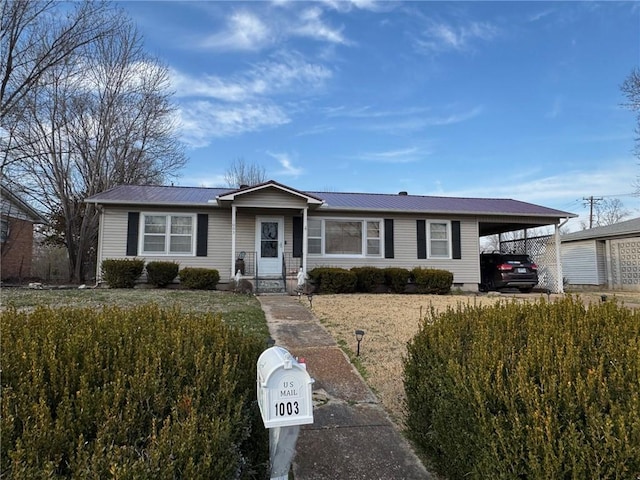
<point x="390" y="321"/>
<point x="242" y="311"/>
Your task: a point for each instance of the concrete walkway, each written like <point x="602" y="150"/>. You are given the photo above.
<point x="352" y="437"/>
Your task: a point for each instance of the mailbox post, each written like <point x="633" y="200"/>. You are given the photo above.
<point x="285" y="401"/>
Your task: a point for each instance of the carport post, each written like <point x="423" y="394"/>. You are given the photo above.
<point x="559" y="282"/>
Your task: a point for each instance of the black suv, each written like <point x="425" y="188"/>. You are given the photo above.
<point x="502" y="270"/>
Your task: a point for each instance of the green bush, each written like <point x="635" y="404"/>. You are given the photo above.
<point x="432" y="281"/>
<point x="199" y="278"/>
<point x="536" y="391"/>
<point x="121" y="272"/>
<point x="161" y="274"/>
<point x="396" y="279"/>
<point x="368" y="279"/>
<point x="333" y="280"/>
<point x="140" y="393"/>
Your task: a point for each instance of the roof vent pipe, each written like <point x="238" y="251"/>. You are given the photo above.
<point x="402" y="193"/>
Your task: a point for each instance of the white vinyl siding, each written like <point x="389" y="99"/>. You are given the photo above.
<point x="113" y="231"/>
<point x="465" y="270"/>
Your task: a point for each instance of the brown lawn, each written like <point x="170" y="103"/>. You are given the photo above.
<point x="390" y="321"/>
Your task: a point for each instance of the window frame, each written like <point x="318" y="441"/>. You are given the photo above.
<point x="364" y="223"/>
<point x="167" y="235"/>
<point x="429" y="240"/>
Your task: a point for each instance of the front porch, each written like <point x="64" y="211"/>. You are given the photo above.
<point x="247" y="268"/>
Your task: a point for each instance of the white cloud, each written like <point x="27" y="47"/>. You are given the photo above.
<point x="288" y="169"/>
<point x="280" y="73"/>
<point x="244" y="31"/>
<point x="312" y="26"/>
<point x="213" y="106"/>
<point x="403" y="155"/>
<point x="440" y="37"/>
<point x="348" y="5"/>
<point x="201" y="121"/>
<point x="404" y="120"/>
<point x="205" y="180"/>
<point x="561" y="189"/>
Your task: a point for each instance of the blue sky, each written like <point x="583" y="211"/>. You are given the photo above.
<point x="476" y="99"/>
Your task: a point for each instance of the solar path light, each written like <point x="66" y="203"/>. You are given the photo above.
<point x="359" y="335"/>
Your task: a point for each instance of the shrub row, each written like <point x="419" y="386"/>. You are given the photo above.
<point x="123" y="273"/>
<point x="140" y="393"/>
<point x="377" y="280"/>
<point x="536" y="391"/>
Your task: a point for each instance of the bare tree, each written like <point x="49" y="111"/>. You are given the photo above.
<point x="607" y="212"/>
<point x="36" y="37"/>
<point x="100" y="118"/>
<point x="242" y="173"/>
<point x="631" y="89"/>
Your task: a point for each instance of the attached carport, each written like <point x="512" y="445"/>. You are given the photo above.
<point x="543" y="247"/>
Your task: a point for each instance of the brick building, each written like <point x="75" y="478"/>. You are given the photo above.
<point x="16" y="235"/>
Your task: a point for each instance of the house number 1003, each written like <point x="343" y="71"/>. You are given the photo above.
<point x="287" y="408"/>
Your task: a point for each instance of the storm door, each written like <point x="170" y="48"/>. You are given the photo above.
<point x="269" y="245"/>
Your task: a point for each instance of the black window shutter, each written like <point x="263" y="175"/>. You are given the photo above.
<point x="421" y="228"/>
<point x="297" y="237"/>
<point x="388" y="238"/>
<point x="133" y="222"/>
<point x="203" y="233"/>
<point x="456" y="245"/>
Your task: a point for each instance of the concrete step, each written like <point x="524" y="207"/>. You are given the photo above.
<point x="270" y="285"/>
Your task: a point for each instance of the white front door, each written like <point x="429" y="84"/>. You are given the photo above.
<point x="269" y="245"/>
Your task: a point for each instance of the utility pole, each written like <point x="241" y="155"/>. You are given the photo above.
<point x="591" y="201"/>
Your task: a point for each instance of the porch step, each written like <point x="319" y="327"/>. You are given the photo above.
<point x="271" y="285"/>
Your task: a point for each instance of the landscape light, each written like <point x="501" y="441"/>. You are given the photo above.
<point x="359" y="335"/>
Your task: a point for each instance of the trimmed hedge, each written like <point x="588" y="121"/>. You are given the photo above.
<point x="199" y="278"/>
<point x="368" y="279"/>
<point x="432" y="280"/>
<point x="536" y="391"/>
<point x="121" y="272"/>
<point x="161" y="274"/>
<point x="375" y="280"/>
<point x="333" y="280"/>
<point x="396" y="279"/>
<point x="140" y="393"/>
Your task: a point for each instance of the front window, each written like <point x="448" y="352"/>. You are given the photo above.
<point x="439" y="240"/>
<point x="168" y="234"/>
<point x="350" y="237"/>
<point x="342" y="237"/>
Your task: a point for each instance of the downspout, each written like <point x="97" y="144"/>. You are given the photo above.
<point x="100" y="238"/>
<point x="305" y="235"/>
<point x="559" y="279"/>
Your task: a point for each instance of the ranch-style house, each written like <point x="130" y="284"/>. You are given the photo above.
<point x="270" y="231"/>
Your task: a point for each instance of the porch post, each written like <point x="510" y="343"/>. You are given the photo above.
<point x="559" y="282"/>
<point x="304" y="239"/>
<point x="233" y="240"/>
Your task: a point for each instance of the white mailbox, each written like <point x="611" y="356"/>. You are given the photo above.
<point x="284" y="389"/>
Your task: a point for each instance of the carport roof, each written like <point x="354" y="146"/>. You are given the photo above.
<point x="337" y="201"/>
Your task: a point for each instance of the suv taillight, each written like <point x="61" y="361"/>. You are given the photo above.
<point x="533" y="266"/>
<point x="505" y="267"/>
